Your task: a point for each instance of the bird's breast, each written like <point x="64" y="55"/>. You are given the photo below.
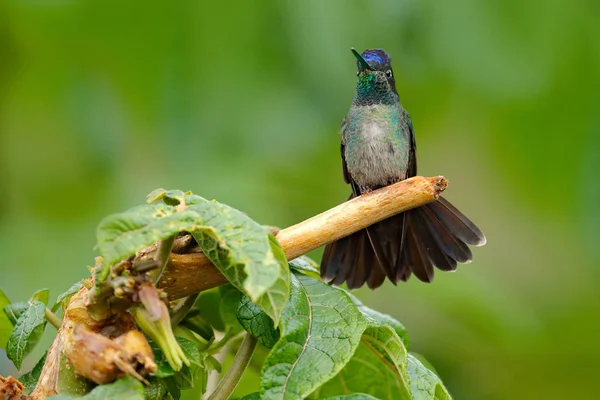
<point x="376" y="145"/>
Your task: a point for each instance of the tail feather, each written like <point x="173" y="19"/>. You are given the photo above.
<point x="436" y="234"/>
<point x="386" y="239"/>
<point x="444" y="236"/>
<point x="404" y="273"/>
<point x="415" y="253"/>
<point x="344" y="263"/>
<point x="376" y="276"/>
<point x="352" y="260"/>
<point x="433" y="245"/>
<point x="461" y="226"/>
<point x="332" y="259"/>
<point x="363" y="260"/>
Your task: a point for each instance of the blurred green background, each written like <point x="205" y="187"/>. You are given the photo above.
<point x="101" y="102"/>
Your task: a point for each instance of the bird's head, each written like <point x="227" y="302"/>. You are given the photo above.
<point x="375" y="69"/>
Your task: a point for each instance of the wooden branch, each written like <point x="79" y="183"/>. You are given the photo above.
<point x="187" y="274"/>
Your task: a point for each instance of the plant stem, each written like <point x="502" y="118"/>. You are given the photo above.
<point x="162" y="257"/>
<point x="53" y="319"/>
<point x="182" y="308"/>
<point x="233" y="375"/>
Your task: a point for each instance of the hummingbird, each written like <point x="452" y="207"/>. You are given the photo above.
<point x="378" y="149"/>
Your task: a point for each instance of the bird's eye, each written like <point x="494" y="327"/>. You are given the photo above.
<point x="388" y="73"/>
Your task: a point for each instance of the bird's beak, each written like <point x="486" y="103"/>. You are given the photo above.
<point x="361" y="60"/>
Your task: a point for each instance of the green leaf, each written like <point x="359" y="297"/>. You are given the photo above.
<point x="125" y="388"/>
<point x="13" y="311"/>
<point x="155" y="195"/>
<point x="174" y="197"/>
<point x="246" y="255"/>
<point x="257" y="323"/>
<point x="42" y="295"/>
<point x="156" y="390"/>
<point x="190" y="349"/>
<point x="209" y="305"/>
<point x="29" y="380"/>
<point x="121" y="235"/>
<point x="241" y="248"/>
<point x="380" y="362"/>
<point x="305" y="265"/>
<point x="64" y="298"/>
<point x="6" y="326"/>
<point x="424" y="384"/>
<point x="251" y="396"/>
<point x="196" y="322"/>
<point x="196" y="375"/>
<point x="355" y="396"/>
<point x="320" y="330"/>
<point x="219" y="307"/>
<point x="230" y="299"/>
<point x="26" y="333"/>
<point x="424" y="361"/>
<point x="192" y="199"/>
<point x="173" y="387"/>
<point x="381" y="318"/>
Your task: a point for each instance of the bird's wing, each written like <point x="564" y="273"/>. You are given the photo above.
<point x="347" y="177"/>
<point x="412" y="155"/>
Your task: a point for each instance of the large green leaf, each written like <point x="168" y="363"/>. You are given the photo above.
<point x="320" y="330"/>
<point x="242" y="249"/>
<point x="29" y="380"/>
<point x="381" y="318"/>
<point x="123" y="234"/>
<point x="6" y="325"/>
<point x="380" y="362"/>
<point x="257" y="323"/>
<point x="125" y="388"/>
<point x="424" y="384"/>
<point x="354" y="396"/>
<point x="424" y="361"/>
<point x="245" y="254"/>
<point x="27" y="332"/>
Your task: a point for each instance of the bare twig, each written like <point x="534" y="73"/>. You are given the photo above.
<point x="187" y="274"/>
